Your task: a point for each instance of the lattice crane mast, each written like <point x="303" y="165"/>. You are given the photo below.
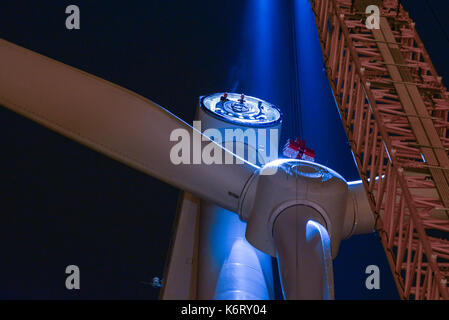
<point x="394" y="108"/>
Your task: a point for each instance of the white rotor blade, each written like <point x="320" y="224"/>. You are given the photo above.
<point x="112" y="120"/>
<point x="364" y="218"/>
<point x="304" y="254"/>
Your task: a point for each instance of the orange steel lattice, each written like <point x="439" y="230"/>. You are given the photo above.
<point x="394" y="108"/>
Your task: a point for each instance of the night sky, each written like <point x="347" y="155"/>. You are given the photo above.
<point x="62" y="203"/>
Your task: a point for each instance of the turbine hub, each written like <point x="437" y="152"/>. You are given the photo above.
<point x="286" y="183"/>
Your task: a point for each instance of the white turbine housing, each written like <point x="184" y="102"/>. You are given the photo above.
<point x="295" y="183"/>
<point x="315" y="202"/>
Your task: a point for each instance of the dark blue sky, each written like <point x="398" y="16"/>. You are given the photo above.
<point x="62" y="203"/>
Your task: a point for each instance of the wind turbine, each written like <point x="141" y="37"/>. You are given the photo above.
<point x="294" y="210"/>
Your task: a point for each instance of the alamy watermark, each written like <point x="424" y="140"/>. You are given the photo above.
<point x="373" y="20"/>
<point x="257" y="146"/>
<point x="73" y="280"/>
<point x="73" y="20"/>
<point x="373" y="280"/>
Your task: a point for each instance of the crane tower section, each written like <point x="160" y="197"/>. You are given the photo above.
<point x="394" y="108"/>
